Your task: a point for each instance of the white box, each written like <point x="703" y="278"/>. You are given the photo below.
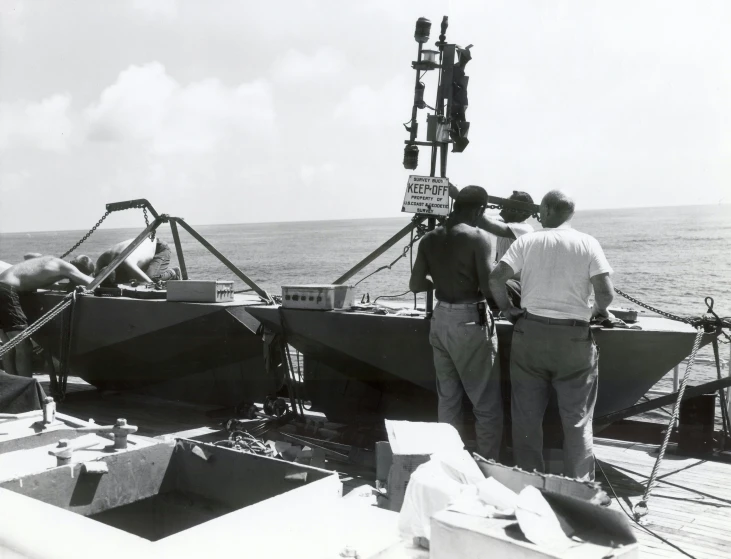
<point x="325" y="297"/>
<point x="605" y="533"/>
<point x="200" y="291"/>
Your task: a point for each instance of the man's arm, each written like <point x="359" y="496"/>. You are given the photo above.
<point x="134" y="271"/>
<point x="499" y="277"/>
<point x="74" y="275"/>
<point x="483" y="261"/>
<point x="495" y="226"/>
<point x="603" y="294"/>
<point x="418" y="282"/>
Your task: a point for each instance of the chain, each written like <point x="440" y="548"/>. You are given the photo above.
<point x="640" y="509"/>
<point x="83" y="239"/>
<point x="147" y="222"/>
<point x="98" y="223"/>
<point x="50" y="315"/>
<point x="653" y="309"/>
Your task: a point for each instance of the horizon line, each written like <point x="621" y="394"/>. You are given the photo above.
<point x="353" y="219"/>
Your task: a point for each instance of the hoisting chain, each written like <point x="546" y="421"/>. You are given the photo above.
<point x="640" y="509"/>
<point x="534" y="215"/>
<point x="101" y="220"/>
<point x="38" y="324"/>
<point x="83" y="239"/>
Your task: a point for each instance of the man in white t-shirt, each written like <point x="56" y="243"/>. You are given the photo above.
<point x="552" y="343"/>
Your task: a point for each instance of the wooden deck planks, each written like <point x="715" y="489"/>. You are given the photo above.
<point x="690" y="506"/>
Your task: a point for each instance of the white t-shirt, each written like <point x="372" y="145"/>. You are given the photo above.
<point x="502" y="244"/>
<point x="556" y="265"/>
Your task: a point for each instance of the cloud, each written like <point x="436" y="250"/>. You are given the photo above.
<point x="13" y="181"/>
<point x="12" y="20"/>
<point x="156" y="9"/>
<point x="294" y="66"/>
<point x="373" y="108"/>
<point x="311" y="174"/>
<point x="45" y="125"/>
<point x="146" y="105"/>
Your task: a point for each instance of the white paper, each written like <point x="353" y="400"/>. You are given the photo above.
<point x="415" y="437"/>
<point x="539" y="522"/>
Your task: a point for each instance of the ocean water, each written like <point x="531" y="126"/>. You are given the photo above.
<point x="671" y="257"/>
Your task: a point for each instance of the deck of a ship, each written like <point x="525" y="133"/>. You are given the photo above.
<point x="690" y="507"/>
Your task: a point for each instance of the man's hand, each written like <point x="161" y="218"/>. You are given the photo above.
<point x="600" y="313"/>
<point x="513" y="314"/>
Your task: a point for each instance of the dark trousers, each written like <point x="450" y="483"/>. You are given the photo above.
<point x="158" y="269"/>
<point x="565" y="357"/>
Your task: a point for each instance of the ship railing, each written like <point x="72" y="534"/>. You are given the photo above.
<point x="699" y="361"/>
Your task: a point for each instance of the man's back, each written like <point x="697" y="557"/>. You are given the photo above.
<point x="37" y="273"/>
<point x="137" y="261"/>
<point x="556" y="266"/>
<point x="458" y="259"/>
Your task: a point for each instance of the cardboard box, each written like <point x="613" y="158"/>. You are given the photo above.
<point x="412" y="443"/>
<point x="600" y="533"/>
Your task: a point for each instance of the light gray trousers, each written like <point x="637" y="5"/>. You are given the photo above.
<point x="465" y="359"/>
<point x="565" y="357"/>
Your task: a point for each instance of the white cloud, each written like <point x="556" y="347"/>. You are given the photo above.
<point x="294" y="66"/>
<point x="44" y="125"/>
<point x="12" y="21"/>
<point x="374" y="108"/>
<point x="13" y="181"/>
<point x="319" y="175"/>
<point x="156" y="9"/>
<point x="146" y="105"/>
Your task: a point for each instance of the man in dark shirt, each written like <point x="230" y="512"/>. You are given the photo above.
<point x="457" y="256"/>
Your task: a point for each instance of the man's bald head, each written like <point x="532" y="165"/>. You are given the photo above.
<point x="556" y="208"/>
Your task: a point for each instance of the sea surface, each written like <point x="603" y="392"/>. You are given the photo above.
<point x="670" y="257"/>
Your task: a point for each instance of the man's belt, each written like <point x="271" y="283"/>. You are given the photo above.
<point x="555" y="321"/>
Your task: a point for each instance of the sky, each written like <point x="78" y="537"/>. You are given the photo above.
<point x="236" y="111"/>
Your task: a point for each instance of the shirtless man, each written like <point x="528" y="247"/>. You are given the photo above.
<point x="458" y="257"/>
<point x="29" y="275"/>
<point x="148" y="263"/>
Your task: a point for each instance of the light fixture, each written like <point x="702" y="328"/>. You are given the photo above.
<point x="411" y="157"/>
<point x="423" y="27"/>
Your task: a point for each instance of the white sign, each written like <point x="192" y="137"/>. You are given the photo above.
<point x="427" y="195"/>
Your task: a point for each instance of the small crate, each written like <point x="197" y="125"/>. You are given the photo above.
<point x="200" y="291"/>
<point x="317" y="297"/>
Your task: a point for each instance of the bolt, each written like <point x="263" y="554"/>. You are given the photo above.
<point x="63" y="443"/>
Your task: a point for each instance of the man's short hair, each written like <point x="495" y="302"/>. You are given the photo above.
<point x="84" y="264"/>
<point x="520" y="196"/>
<point x="471" y="197"/>
<point x="559" y="202"/>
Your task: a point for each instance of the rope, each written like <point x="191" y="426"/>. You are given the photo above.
<point x="619" y="502"/>
<point x="38" y="324"/>
<point x="640" y="509"/>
